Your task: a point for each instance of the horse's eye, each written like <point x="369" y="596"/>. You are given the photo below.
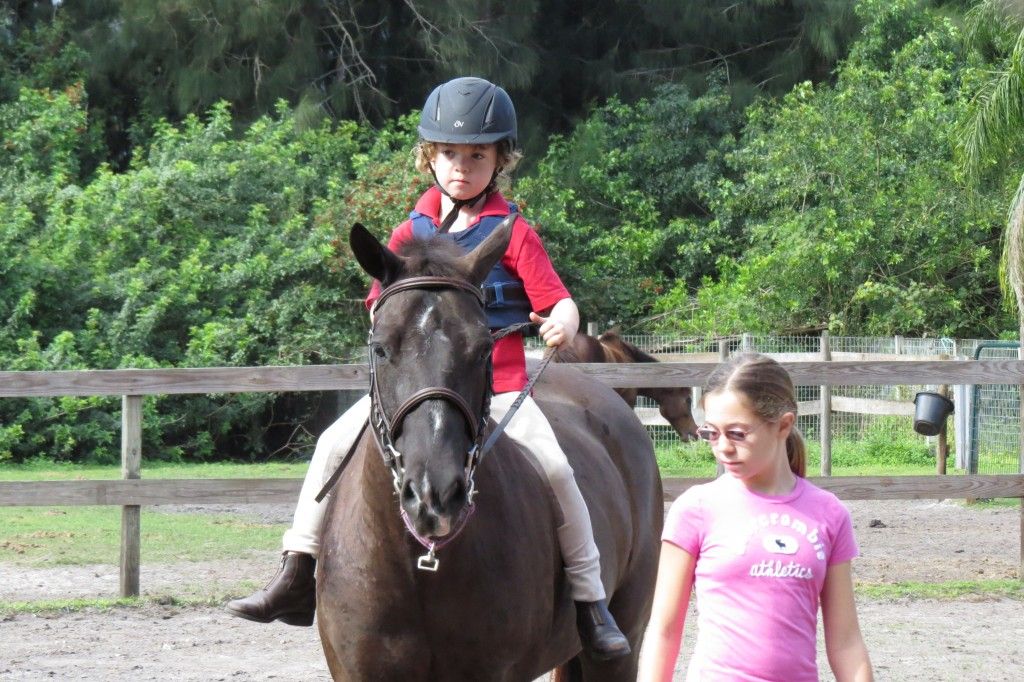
<point x="380" y="351"/>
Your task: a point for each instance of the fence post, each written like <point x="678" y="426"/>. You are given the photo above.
<point x="942" y="447"/>
<point x="591" y="328"/>
<point x="131" y="465"/>
<point x="825" y="422"/>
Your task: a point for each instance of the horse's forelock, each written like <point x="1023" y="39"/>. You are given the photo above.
<point x="432" y="258"/>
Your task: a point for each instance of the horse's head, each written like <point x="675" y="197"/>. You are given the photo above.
<point x="674" y="406"/>
<point x="673" y="403"/>
<point x="430" y="351"/>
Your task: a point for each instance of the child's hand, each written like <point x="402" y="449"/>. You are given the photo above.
<point x="554" y="332"/>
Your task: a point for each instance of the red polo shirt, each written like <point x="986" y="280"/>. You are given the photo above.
<point x="524" y="258"/>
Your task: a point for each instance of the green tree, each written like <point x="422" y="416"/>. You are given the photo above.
<point x="851" y="202"/>
<point x="147" y="60"/>
<point x="621" y="202"/>
<point x="993" y="129"/>
<point x="36" y="50"/>
<point x="367" y="60"/>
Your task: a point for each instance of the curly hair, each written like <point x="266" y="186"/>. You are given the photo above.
<point x="508" y="158"/>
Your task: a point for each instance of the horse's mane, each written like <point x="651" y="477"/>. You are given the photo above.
<point x="623" y="351"/>
<point x="432" y="257"/>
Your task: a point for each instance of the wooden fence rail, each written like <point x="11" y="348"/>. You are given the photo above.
<point x="119" y="382"/>
<point x="131" y="492"/>
<point x="139" y="492"/>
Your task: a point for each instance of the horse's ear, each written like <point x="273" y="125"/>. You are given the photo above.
<point x="481" y="259"/>
<point x="375" y="258"/>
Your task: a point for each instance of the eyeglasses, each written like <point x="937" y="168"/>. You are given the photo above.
<point x="735" y="435"/>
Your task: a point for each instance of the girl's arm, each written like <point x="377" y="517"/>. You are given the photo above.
<point x="561" y="323"/>
<point x="844" y="644"/>
<point x="668" y="615"/>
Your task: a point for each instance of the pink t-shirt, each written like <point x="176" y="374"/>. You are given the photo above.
<point x="760" y="569"/>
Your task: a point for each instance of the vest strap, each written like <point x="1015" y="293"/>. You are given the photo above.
<point x="505" y="292"/>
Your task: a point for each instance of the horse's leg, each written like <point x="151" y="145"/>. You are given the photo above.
<point x="333" y="664"/>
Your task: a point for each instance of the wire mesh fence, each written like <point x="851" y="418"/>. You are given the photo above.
<point x="983" y="437"/>
<point x="993" y="416"/>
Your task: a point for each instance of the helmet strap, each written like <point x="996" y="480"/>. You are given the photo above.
<point x="457" y="204"/>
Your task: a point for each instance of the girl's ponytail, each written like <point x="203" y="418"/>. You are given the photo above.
<point x="796" y="450"/>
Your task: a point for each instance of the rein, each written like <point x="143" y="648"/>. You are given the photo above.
<point x="522" y="394"/>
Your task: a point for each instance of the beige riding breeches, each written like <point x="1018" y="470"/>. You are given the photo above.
<point x="528" y="427"/>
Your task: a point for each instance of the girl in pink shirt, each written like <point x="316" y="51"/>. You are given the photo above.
<point x="762" y="547"/>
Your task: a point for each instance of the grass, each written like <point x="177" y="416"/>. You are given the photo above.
<point x="73" y="605"/>
<point x="40" y="536"/>
<point x="48" y="536"/>
<point x="54" y="536"/>
<point x="972" y="590"/>
<point x="67" y="605"/>
<point x="694" y="460"/>
<point x="983" y="590"/>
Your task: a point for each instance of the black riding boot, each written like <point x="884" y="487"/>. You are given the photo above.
<point x="290" y="597"/>
<point x="600" y="635"/>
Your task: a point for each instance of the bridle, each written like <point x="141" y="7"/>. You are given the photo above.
<point x="385" y="427"/>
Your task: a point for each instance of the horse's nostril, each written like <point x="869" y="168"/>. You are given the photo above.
<point x="454" y="497"/>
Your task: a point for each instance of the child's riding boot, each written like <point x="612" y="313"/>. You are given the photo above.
<point x="600" y="635"/>
<point x="290" y="597"/>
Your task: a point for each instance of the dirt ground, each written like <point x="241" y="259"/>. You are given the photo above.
<point x="965" y="640"/>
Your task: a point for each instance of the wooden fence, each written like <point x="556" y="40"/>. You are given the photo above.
<point x="827" y="404"/>
<point x="132" y="492"/>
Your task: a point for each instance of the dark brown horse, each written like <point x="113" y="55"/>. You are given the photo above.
<point x="498" y="606"/>
<point x="673" y="403"/>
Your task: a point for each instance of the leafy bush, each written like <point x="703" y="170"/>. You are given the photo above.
<point x="211" y="250"/>
<point x="620" y="203"/>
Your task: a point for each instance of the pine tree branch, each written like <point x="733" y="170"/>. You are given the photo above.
<point x="350" y="67"/>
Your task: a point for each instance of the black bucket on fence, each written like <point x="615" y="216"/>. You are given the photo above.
<point x="930" y="412"/>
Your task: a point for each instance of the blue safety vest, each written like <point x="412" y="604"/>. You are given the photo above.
<point x="507" y="303"/>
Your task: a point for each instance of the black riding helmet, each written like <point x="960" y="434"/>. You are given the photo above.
<point x="467" y="110"/>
